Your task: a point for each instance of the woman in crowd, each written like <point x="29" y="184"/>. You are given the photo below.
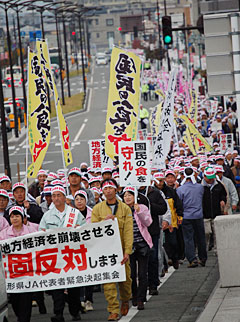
<point x="21" y="302"/>
<point x="142" y="242"/>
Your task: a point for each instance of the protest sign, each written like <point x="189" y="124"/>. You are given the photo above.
<point x="43" y="53"/>
<point x="123" y="100"/>
<point x="134" y="163"/>
<point x="226" y="142"/>
<point x="39" y="130"/>
<point x="164" y="135"/>
<point x="98" y="157"/>
<point x="63" y="258"/>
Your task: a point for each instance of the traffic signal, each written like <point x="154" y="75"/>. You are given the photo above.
<point x="73" y="33"/>
<point x="167" y="30"/>
<point x="119" y="28"/>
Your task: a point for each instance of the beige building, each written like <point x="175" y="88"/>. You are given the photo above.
<point x="104" y="26"/>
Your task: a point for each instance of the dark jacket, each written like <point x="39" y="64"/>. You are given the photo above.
<point x="158" y="207"/>
<point x="35" y="189"/>
<point x="212" y="198"/>
<point x="228" y="173"/>
<point x="171" y="193"/>
<point x="34" y="213"/>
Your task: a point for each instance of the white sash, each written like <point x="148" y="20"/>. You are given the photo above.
<point x="71" y="217"/>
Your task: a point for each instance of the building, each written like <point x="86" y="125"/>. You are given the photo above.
<point x="103" y="27"/>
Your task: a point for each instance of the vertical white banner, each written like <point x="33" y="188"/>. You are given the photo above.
<point x="162" y="144"/>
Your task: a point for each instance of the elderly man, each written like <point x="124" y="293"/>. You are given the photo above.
<point x="112" y="208"/>
<point x="58" y="216"/>
<point x="230" y="188"/>
<point x="75" y="181"/>
<point x="33" y="211"/>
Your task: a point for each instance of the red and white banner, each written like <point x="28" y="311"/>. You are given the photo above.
<point x="226" y="142"/>
<point x="63" y="258"/>
<point x="134" y="163"/>
<point x="98" y="157"/>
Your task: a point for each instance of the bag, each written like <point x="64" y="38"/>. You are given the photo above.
<point x="145" y="121"/>
<point x="141" y="248"/>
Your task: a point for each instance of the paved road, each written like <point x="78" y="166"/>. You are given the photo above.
<point x="182" y="297"/>
<point x="83" y="126"/>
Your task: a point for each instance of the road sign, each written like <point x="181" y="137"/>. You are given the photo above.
<point x="36" y="34"/>
<point x="22" y="33"/>
<point x="219" y="57"/>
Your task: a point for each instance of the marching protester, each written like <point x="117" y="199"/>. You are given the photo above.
<point x="4" y="200"/>
<point x="36" y="188"/>
<point x="214" y="201"/>
<point x="158" y="207"/>
<point x="112" y="208"/>
<point x="58" y="216"/>
<point x="75" y="184"/>
<point x="33" y="211"/>
<point x="80" y="201"/>
<point x="172" y="235"/>
<point x="144" y="116"/>
<point x="230" y="189"/>
<point x="191" y="194"/>
<point x="21" y="302"/>
<point x="142" y="242"/>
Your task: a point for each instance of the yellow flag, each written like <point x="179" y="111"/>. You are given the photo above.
<point x="42" y="49"/>
<point x="202" y="142"/>
<point x="38" y="115"/>
<point x="193" y="110"/>
<point x="123" y="100"/>
<point x="188" y="140"/>
<point x="155" y="119"/>
<point x="160" y="93"/>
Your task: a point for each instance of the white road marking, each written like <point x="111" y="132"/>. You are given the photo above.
<point x="23" y="142"/>
<point x="11" y="147"/>
<point x="79" y="132"/>
<point x="92" y="79"/>
<point x="85" y="121"/>
<point x="133" y="310"/>
<point x="104" y="111"/>
<point x="75" y="143"/>
<point x="53" y="137"/>
<point x="58" y="144"/>
<point x="95" y="88"/>
<point x="104" y="87"/>
<point x="25" y="146"/>
<point x="103" y="134"/>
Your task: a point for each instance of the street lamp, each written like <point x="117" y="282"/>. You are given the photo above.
<point x="6" y="6"/>
<point x="17" y="6"/>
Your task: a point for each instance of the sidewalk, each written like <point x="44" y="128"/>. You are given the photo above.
<point x="223" y="306"/>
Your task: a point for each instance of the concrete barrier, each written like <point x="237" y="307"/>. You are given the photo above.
<point x="228" y="249"/>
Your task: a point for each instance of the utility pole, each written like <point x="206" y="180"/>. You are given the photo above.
<point x="4" y="131"/>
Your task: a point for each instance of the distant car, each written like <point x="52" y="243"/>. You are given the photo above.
<point x="8" y="105"/>
<point x="108" y="53"/>
<point x="7" y="121"/>
<point x="101" y="59"/>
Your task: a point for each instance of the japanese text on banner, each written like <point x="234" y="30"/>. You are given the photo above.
<point x="134" y="163"/>
<point x="97" y="153"/>
<point x="42" y="49"/>
<point x="162" y="144"/>
<point x="38" y="115"/>
<point x="226" y="142"/>
<point x="63" y="258"/>
<point x="123" y="100"/>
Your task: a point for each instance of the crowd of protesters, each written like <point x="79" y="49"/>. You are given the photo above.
<point x="170" y="221"/>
